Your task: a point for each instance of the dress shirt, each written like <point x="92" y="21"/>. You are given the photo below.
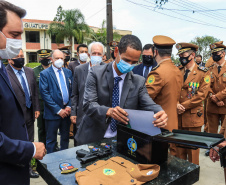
<point x="221" y="64"/>
<point x="190" y="69"/>
<point x="58" y="79"/>
<point x="145" y="68"/>
<point x="24" y="76"/>
<point x="109" y="133"/>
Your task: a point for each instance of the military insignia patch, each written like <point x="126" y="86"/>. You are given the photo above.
<point x="213" y="46"/>
<point x="178" y="46"/>
<point x="108" y="172"/>
<point x="207" y="79"/>
<point x="151" y="79"/>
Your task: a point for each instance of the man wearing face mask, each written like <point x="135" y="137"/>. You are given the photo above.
<point x="24" y="85"/>
<point x="45" y="60"/>
<point x="110" y="89"/>
<point x="148" y="63"/>
<point x="67" y="57"/>
<point x="199" y="62"/>
<point x="164" y="82"/>
<point x="55" y="86"/>
<point x="82" y="52"/>
<point x="15" y="149"/>
<point x="194" y="91"/>
<point x="216" y="102"/>
<point x="78" y="87"/>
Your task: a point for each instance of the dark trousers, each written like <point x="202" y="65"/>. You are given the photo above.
<point x="28" y="115"/>
<point x="41" y="128"/>
<point x="51" y="133"/>
<point x="74" y="132"/>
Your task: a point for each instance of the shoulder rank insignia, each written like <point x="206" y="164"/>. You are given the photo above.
<point x="155" y="67"/>
<point x="203" y="68"/>
<point x="151" y="79"/>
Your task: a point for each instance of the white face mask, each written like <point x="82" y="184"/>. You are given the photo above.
<point x="83" y="57"/>
<point x="13" y="47"/>
<point x="59" y="63"/>
<point x="96" y="60"/>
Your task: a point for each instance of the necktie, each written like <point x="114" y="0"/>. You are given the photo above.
<point x="115" y="101"/>
<point x="186" y="74"/>
<point x="63" y="87"/>
<point x="146" y="72"/>
<point x="23" y="83"/>
<point x="219" y="69"/>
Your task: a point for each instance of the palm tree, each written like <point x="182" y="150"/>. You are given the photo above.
<point x="101" y="35"/>
<point x="69" y="24"/>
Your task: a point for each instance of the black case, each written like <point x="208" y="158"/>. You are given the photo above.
<point x="154" y="149"/>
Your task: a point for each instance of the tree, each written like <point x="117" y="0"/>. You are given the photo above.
<point x="203" y="43"/>
<point x="69" y="24"/>
<point x="101" y="35"/>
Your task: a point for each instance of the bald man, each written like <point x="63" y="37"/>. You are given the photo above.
<point x="55" y="88"/>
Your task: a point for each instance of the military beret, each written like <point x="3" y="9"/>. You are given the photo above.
<point x="44" y="53"/>
<point x="183" y="47"/>
<point x="217" y="46"/>
<point x="163" y="42"/>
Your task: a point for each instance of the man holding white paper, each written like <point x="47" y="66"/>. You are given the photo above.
<point x="112" y="88"/>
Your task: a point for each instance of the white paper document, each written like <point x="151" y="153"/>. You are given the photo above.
<point x="142" y="121"/>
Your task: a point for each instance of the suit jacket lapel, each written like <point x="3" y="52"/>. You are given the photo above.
<point x="14" y="77"/>
<point x="6" y="79"/>
<point x="85" y="72"/>
<point x="52" y="73"/>
<point x="215" y="71"/>
<point x="110" y="80"/>
<point x="125" y="89"/>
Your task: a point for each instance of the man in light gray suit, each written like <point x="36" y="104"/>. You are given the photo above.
<point x="80" y="75"/>
<point x="110" y="89"/>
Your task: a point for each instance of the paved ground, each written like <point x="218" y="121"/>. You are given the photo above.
<point x="210" y="173"/>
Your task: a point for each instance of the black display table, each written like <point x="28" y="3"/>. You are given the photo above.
<point x="174" y="171"/>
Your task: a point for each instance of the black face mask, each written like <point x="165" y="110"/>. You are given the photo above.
<point x="216" y="57"/>
<point x="184" y="60"/>
<point x="18" y="63"/>
<point x="67" y="58"/>
<point x="45" y="61"/>
<point x="147" y="60"/>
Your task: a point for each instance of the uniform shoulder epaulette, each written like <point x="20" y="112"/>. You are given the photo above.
<point x="203" y="68"/>
<point x="181" y="67"/>
<point x="155" y="67"/>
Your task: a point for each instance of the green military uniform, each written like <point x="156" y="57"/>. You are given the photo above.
<point x="43" y="53"/>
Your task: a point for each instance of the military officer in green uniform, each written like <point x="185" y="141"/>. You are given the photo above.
<point x="45" y="60"/>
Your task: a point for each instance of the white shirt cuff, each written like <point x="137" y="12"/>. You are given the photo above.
<point x="59" y="111"/>
<point x="34" y="150"/>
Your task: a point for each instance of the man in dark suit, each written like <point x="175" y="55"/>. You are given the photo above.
<point x="148" y="62"/>
<point x="110" y="89"/>
<point x="55" y="88"/>
<point x="78" y="87"/>
<point x="82" y="52"/>
<point x="24" y="85"/>
<point x="15" y="149"/>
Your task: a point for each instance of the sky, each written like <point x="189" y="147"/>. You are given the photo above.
<point x="142" y="17"/>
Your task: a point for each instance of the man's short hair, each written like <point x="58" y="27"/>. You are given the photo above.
<point x="164" y="52"/>
<point x="81" y="46"/>
<point x="6" y="6"/>
<point x="199" y="56"/>
<point x="148" y="46"/>
<point x="95" y="43"/>
<point x="131" y="41"/>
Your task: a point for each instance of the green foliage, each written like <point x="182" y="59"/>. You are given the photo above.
<point x="69" y="24"/>
<point x="175" y="60"/>
<point x="203" y="43"/>
<point x="32" y="65"/>
<point x="33" y="163"/>
<point x="101" y="35"/>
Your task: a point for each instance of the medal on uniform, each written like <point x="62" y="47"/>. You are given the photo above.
<point x="189" y="90"/>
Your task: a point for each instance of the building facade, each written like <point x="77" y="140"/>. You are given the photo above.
<point x="35" y="37"/>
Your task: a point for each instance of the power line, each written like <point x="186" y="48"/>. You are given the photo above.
<point x="96" y="13"/>
<point x="191" y="7"/>
<point x="146" y="7"/>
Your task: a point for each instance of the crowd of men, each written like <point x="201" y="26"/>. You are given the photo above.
<point x="85" y="98"/>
